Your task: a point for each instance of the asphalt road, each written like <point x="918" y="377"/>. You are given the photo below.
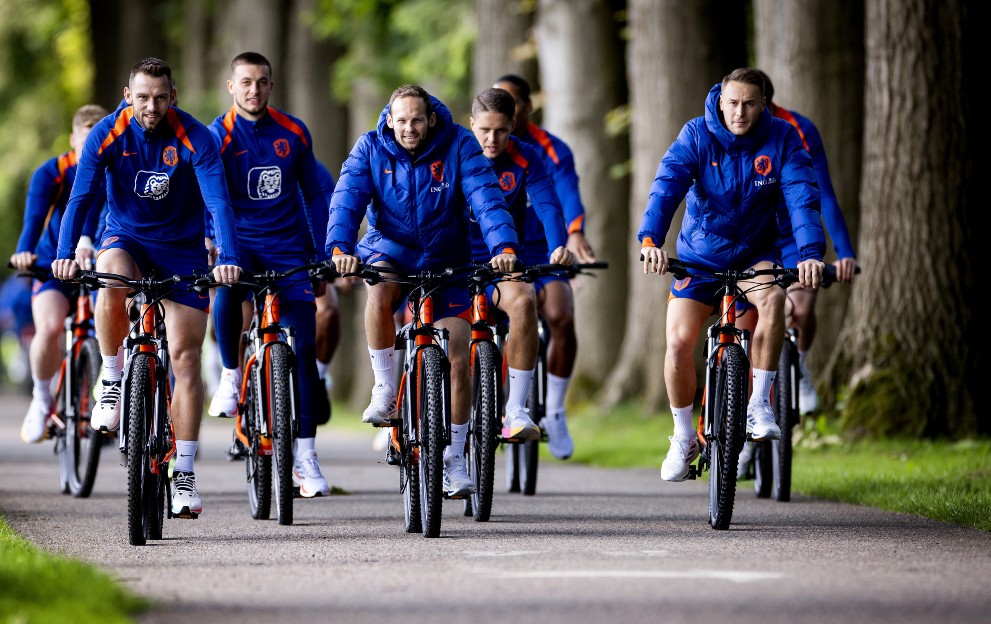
<point x="593" y="545"/>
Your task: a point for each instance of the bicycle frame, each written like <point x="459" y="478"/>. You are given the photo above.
<point x="77" y="327"/>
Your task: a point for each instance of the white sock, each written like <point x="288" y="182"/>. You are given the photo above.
<point x="763" y="380"/>
<point x="459" y="435"/>
<point x="322" y="369"/>
<point x="382" y="364"/>
<point x="42" y="389"/>
<point x="802" y="365"/>
<point x="185" y="451"/>
<point x="304" y="445"/>
<point x="557" y="388"/>
<point x="682" y="420"/>
<point x="519" y="387"/>
<point x="111" y="371"/>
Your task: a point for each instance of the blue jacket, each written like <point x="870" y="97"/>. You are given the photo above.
<point x="417" y="208"/>
<point x="733" y="186"/>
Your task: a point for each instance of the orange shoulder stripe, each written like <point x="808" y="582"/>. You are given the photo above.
<point x="288" y="123"/>
<point x="65" y="161"/>
<point x="228" y="124"/>
<point x="515" y="155"/>
<point x="782" y="113"/>
<point x="122" y="120"/>
<point x="179" y="129"/>
<point x="545" y="141"/>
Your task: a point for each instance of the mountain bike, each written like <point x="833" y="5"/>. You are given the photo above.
<point x="76" y="444"/>
<point x="267" y="422"/>
<point x="146" y="436"/>
<point x="772" y="459"/>
<point x="522" y="457"/>
<point x="722" y="425"/>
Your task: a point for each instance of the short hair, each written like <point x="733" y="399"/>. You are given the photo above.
<point x="494" y="101"/>
<point x="768" y="86"/>
<point x="411" y="90"/>
<point x="87" y="116"/>
<point x="251" y="58"/>
<point x="154" y="67"/>
<point x="518" y="82"/>
<point x="747" y="75"/>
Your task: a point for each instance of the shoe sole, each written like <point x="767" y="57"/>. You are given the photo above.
<point x="462" y="493"/>
<point x="222" y="415"/>
<point x="186" y="514"/>
<point x="379" y="421"/>
<point x="521" y="433"/>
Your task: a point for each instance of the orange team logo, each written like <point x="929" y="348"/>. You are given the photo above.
<point x="110" y="241"/>
<point x="762" y="165"/>
<point x="437" y="170"/>
<point x="507" y="181"/>
<point x="281" y="147"/>
<point x="682" y="283"/>
<point x="169" y="156"/>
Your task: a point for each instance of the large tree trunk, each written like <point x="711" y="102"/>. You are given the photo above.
<point x="122" y="34"/>
<point x="663" y="96"/>
<point x="909" y="349"/>
<point x="576" y="40"/>
<point x="813" y="50"/>
<point x="504" y="44"/>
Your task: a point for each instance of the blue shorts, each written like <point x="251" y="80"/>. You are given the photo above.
<point x="706" y="289"/>
<point x="531" y="258"/>
<point x="450" y="300"/>
<point x="163" y="262"/>
<point x="68" y="290"/>
<point x="296" y="287"/>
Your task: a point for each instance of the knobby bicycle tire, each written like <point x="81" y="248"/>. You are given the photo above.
<point x="139" y="408"/>
<point x="786" y="413"/>
<point x="82" y="443"/>
<point x="409" y="468"/>
<point x="257" y="467"/>
<point x="158" y="488"/>
<point x="728" y="431"/>
<point x="432" y="436"/>
<point x="528" y="451"/>
<point x="279" y="379"/>
<point x="485" y="424"/>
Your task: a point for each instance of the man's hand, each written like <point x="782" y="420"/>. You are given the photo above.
<point x="211" y="251"/>
<point x="23" y="260"/>
<point x="562" y="255"/>
<point x="505" y="262"/>
<point x="65" y="269"/>
<point x="810" y="273"/>
<point x="226" y="273"/>
<point x="345" y="263"/>
<point x="578" y="245"/>
<point x="845" y="268"/>
<point x="85" y="254"/>
<point x="655" y="260"/>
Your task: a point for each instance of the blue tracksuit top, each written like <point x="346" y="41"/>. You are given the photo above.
<point x="559" y="163"/>
<point x="273" y="179"/>
<point x="48" y="193"/>
<point x="832" y="216"/>
<point x="417" y="207"/>
<point x="157" y="183"/>
<point x="522" y="176"/>
<point x="733" y="186"/>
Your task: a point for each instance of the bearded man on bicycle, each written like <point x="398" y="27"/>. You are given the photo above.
<point x="736" y="165"/>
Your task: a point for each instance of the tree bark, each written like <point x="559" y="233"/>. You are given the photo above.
<point x="504" y="44"/>
<point x="577" y="40"/>
<point x="908" y="351"/>
<point x="123" y="33"/>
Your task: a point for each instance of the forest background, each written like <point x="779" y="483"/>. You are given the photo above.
<point x="891" y="84"/>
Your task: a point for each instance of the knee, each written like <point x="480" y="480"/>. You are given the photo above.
<point x="186" y="362"/>
<point x="560" y="319"/>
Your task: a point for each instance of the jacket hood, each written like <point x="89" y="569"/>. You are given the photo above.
<point x="438" y="135"/>
<point x="729" y="141"/>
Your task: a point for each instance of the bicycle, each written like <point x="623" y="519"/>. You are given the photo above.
<point x="772" y="459"/>
<point x="267" y="423"/>
<point x="722" y="425"/>
<point x="76" y="444"/>
<point x="146" y="436"/>
<point x="522" y="457"/>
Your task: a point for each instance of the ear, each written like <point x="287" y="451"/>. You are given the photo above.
<point x="230" y="87"/>
<point x="432" y="120"/>
<point x="127" y="95"/>
<point x="388" y="121"/>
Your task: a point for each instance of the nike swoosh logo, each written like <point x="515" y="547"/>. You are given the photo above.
<point x="453" y="305"/>
<point x="241" y="152"/>
<point x="127" y="153"/>
<point x="387" y="171"/>
<point x="184" y="455"/>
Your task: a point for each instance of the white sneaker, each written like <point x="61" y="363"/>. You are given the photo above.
<point x="186" y="502"/>
<point x="228" y="395"/>
<point x="456" y="479"/>
<point x="559" y="440"/>
<point x="517" y="424"/>
<point x="808" y="400"/>
<point x="681" y="453"/>
<point x="382" y="439"/>
<point x="106" y="415"/>
<point x="743" y="471"/>
<point x="35" y="424"/>
<point x="382" y="408"/>
<point x="306" y="474"/>
<point x="761" y="424"/>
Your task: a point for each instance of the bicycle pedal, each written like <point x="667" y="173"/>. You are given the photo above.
<point x="693" y="472"/>
<point x="392" y="456"/>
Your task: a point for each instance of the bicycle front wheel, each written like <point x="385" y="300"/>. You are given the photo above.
<point x="257" y="459"/>
<point x="432" y="437"/>
<point x="140" y="407"/>
<point x="786" y="413"/>
<point x="483" y="438"/>
<point x="728" y="431"/>
<point x="280" y="396"/>
<point x="82" y="443"/>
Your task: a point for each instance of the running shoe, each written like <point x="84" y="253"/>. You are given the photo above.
<point x="808" y="400"/>
<point x="559" y="440"/>
<point x="683" y="451"/>
<point x="186" y="502"/>
<point x="456" y="479"/>
<point x="307" y="476"/>
<point x="761" y="424"/>
<point x="228" y="395"/>
<point x="382" y="408"/>
<point x="106" y="415"/>
<point x="517" y="424"/>
<point x="35" y="424"/>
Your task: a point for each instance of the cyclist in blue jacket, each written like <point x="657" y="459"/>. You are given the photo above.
<point x="161" y="166"/>
<point x="734" y="165"/>
<point x="524" y="181"/>
<point x="51" y="300"/>
<point x="414" y="176"/>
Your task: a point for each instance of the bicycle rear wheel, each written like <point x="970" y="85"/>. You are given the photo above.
<point x="483" y="438"/>
<point x="728" y="433"/>
<point x="432" y="436"/>
<point x="82" y="443"/>
<point x="257" y="467"/>
<point x="786" y="412"/>
<point x="528" y="451"/>
<point x="280" y="379"/>
<point x="140" y="406"/>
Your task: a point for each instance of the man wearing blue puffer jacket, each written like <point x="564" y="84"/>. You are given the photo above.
<point x="414" y="176"/>
<point x="735" y="165"/>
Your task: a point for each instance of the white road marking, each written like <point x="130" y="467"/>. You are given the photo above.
<point x="734" y="576"/>
<point x="505" y="553"/>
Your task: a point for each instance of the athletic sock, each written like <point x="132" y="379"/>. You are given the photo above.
<point x="42" y="389"/>
<point x="519" y="387"/>
<point x="459" y="435"/>
<point x="185" y="453"/>
<point x="682" y="420"/>
<point x="382" y="360"/>
<point x="557" y="389"/>
<point x="763" y="380"/>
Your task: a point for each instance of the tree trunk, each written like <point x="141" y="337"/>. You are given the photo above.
<point x="504" y="44"/>
<point x="123" y="33"/>
<point x="576" y="40"/>
<point x="663" y="96"/>
<point x="813" y="50"/>
<point x="908" y="351"/>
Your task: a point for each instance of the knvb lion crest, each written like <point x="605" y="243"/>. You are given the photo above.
<point x="762" y="165"/>
<point x="170" y="156"/>
<point x="437" y="170"/>
<point x="507" y="181"/>
<point x="281" y="147"/>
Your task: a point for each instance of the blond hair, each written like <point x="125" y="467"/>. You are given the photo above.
<point x="87" y="116"/>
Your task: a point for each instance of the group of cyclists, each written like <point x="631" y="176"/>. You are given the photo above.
<point x="149" y="189"/>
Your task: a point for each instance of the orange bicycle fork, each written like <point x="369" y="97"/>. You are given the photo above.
<point x="270" y="318"/>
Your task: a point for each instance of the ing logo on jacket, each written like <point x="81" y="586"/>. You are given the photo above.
<point x="264" y="182"/>
<point x="151" y="184"/>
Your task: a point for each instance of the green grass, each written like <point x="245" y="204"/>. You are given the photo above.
<point x="39" y="587"/>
